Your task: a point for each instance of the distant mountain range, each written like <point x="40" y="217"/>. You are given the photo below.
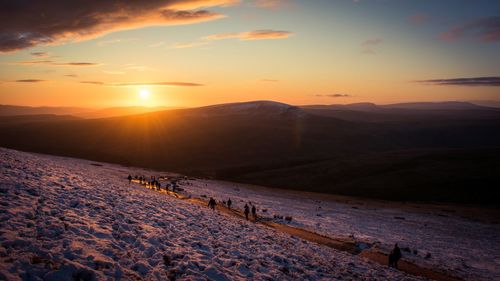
<point x="414" y="151"/>
<point x="14" y="110"/>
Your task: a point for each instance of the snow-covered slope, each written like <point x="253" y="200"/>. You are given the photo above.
<point x="65" y="219"/>
<point x="462" y="247"/>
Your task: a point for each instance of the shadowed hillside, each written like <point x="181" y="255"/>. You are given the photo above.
<point x="289" y="147"/>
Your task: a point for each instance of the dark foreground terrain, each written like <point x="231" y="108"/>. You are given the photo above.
<point x="418" y="152"/>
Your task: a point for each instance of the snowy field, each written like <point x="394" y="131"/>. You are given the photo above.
<point x="461" y="247"/>
<point x="70" y="219"/>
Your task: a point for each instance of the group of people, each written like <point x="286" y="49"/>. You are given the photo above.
<point x="246" y="210"/>
<point x="154" y="183"/>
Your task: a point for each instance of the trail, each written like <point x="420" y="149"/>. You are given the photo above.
<point x="342" y="244"/>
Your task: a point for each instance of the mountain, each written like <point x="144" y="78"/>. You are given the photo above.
<point x="11" y="110"/>
<point x="285" y="146"/>
<point x="119" y="111"/>
<point x="14" y="110"/>
<point x="404" y="112"/>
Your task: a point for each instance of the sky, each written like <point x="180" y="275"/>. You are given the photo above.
<point x="93" y="53"/>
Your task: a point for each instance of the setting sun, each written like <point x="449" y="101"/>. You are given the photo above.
<point x="144" y="94"/>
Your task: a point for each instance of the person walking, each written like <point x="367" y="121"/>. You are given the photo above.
<point x="254" y="212"/>
<point x="246" y="211"/>
<point x="212" y="203"/>
<point x="129" y="179"/>
<point x="394" y="256"/>
<point x="229" y="203"/>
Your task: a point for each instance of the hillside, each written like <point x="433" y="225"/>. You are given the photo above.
<point x="282" y="145"/>
<point x="68" y="219"/>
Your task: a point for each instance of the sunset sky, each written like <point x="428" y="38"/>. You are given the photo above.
<point x="96" y="53"/>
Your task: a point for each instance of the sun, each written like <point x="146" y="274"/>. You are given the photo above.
<point x="144" y="94"/>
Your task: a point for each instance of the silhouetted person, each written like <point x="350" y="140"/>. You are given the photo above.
<point x="246" y="211"/>
<point x="212" y="203"/>
<point x="254" y="212"/>
<point x="229" y="204"/>
<point x="394" y="256"/>
<point x="129" y="179"/>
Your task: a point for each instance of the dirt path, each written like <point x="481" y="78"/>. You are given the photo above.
<point x="341" y="244"/>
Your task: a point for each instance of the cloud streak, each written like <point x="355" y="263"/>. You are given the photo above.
<point x="169" y="84"/>
<point x="271" y="4"/>
<point x="53" y="63"/>
<point x="262" y="34"/>
<point x="335" y="95"/>
<point x="29" y="80"/>
<point x="30" y="23"/>
<point x="493" y="81"/>
<point x="485" y="29"/>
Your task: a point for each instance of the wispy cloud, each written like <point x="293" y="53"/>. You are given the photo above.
<point x="71" y="75"/>
<point x="334" y="95"/>
<point x="493" y="81"/>
<point x="133" y="84"/>
<point x="268" y="80"/>
<point x="262" y="34"/>
<point x="369" y="46"/>
<point x="173" y="84"/>
<point x="39" y="54"/>
<point x="29" y="80"/>
<point x="23" y="26"/>
<point x="190" y="45"/>
<point x="485" y="29"/>
<point x="140" y="68"/>
<point x="49" y="62"/>
<point x="271" y="4"/>
<point x="93" y="82"/>
<point x="113" y="72"/>
<point x="114" y="41"/>
<point x="157" y="44"/>
<point x="418" y="19"/>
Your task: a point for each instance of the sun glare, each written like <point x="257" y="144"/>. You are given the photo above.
<point x="144" y="94"/>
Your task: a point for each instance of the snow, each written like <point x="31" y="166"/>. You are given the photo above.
<point x="465" y="248"/>
<point x="67" y="219"/>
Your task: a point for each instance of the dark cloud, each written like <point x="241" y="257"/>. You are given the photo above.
<point x="484" y="29"/>
<point x="29" y="80"/>
<point x="27" y="23"/>
<point x="335" y="95"/>
<point x="474" y="81"/>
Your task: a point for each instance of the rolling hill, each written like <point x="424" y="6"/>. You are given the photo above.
<point x="290" y="147"/>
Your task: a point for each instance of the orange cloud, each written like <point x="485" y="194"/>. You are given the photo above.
<point x="251" y="35"/>
<point x="23" y="27"/>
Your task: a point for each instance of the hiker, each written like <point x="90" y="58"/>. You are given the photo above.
<point x="212" y="203"/>
<point x="254" y="212"/>
<point x="247" y="210"/>
<point x="394" y="256"/>
<point x="229" y="204"/>
<point x="129" y="179"/>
